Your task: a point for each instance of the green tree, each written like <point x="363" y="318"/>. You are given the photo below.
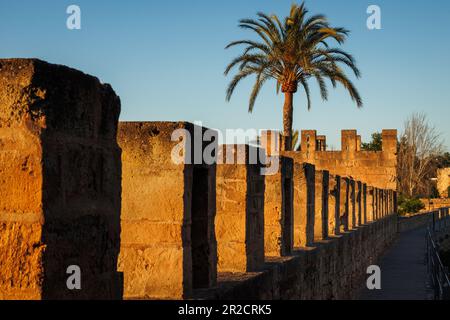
<point x="292" y="52"/>
<point x="375" y="145"/>
<point x="443" y="161"/>
<point x="419" y="147"/>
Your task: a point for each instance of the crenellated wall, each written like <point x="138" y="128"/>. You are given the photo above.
<point x="168" y="244"/>
<point x="60" y="174"/>
<point x="333" y="269"/>
<point x="240" y="212"/>
<point x="375" y="168"/>
<point x="173" y="223"/>
<point x="278" y="210"/>
<point x="300" y="233"/>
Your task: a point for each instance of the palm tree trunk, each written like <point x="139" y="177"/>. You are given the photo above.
<point x="287" y="121"/>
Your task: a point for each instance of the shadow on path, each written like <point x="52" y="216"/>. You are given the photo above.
<point x="403" y="270"/>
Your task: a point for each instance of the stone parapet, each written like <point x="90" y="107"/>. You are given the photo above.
<point x="60" y="182"/>
<point x="168" y="209"/>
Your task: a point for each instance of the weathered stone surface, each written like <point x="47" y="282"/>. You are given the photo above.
<point x="321" y="204"/>
<point x="370" y="204"/>
<point x="334" y="205"/>
<point x="364" y="203"/>
<point x="375" y="203"/>
<point x="304" y="204"/>
<point x="380" y="208"/>
<point x="359" y="202"/>
<point x="61" y="198"/>
<point x="334" y="269"/>
<point x="168" y="241"/>
<point x="21" y="254"/>
<point x="60" y="182"/>
<point x="374" y="168"/>
<point x="352" y="204"/>
<point x="344" y="204"/>
<point x="383" y="202"/>
<point x="240" y="211"/>
<point x="278" y="210"/>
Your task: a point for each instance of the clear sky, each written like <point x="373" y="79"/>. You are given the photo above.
<point x="166" y="59"/>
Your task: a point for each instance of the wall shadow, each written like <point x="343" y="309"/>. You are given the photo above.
<point x="82" y="203"/>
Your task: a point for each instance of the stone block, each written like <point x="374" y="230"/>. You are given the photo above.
<point x="352" y="204"/>
<point x="359" y="203"/>
<point x="168" y="246"/>
<point x="240" y="226"/>
<point x="321" y="204"/>
<point x="344" y="204"/>
<point x="304" y="204"/>
<point x="364" y="203"/>
<point x="60" y="191"/>
<point x="334" y="202"/>
<point x="278" y="210"/>
<point x="349" y="143"/>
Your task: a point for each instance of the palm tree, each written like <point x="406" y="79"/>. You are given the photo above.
<point x="292" y="53"/>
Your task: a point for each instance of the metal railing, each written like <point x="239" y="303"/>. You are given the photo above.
<point x="440" y="219"/>
<point x="439" y="274"/>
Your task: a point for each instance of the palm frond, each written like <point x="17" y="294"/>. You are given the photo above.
<point x="305" y="85"/>
<point x="237" y="78"/>
<point x="260" y="80"/>
<point x="291" y="51"/>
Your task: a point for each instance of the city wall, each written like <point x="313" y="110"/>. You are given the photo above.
<point x="300" y="233"/>
<point x="60" y="189"/>
<point x="331" y="269"/>
<point x="435" y="204"/>
<point x="79" y="188"/>
<point x="375" y="168"/>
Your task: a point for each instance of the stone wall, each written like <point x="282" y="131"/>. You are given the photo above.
<point x="240" y="213"/>
<point x="327" y="262"/>
<point x="322" y="180"/>
<point x="376" y="169"/>
<point x="168" y="244"/>
<point x="304" y="204"/>
<point x="278" y="210"/>
<point x="59" y="182"/>
<point x="333" y="269"/>
<point x="434" y="204"/>
<point x="443" y="182"/>
<point x="334" y="205"/>
<point x="176" y="224"/>
<point x="280" y="229"/>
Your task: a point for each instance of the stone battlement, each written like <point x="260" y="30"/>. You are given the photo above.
<point x="376" y="168"/>
<point x="144" y="217"/>
<point x="60" y="173"/>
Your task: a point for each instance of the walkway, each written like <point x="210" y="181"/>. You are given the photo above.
<point x="403" y="270"/>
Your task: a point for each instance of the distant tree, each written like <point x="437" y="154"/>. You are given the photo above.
<point x="293" y="51"/>
<point x="409" y="206"/>
<point x="375" y="145"/>
<point x="419" y="148"/>
<point x="434" y="192"/>
<point x="443" y="161"/>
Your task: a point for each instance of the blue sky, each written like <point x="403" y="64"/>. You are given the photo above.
<point x="166" y="59"/>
